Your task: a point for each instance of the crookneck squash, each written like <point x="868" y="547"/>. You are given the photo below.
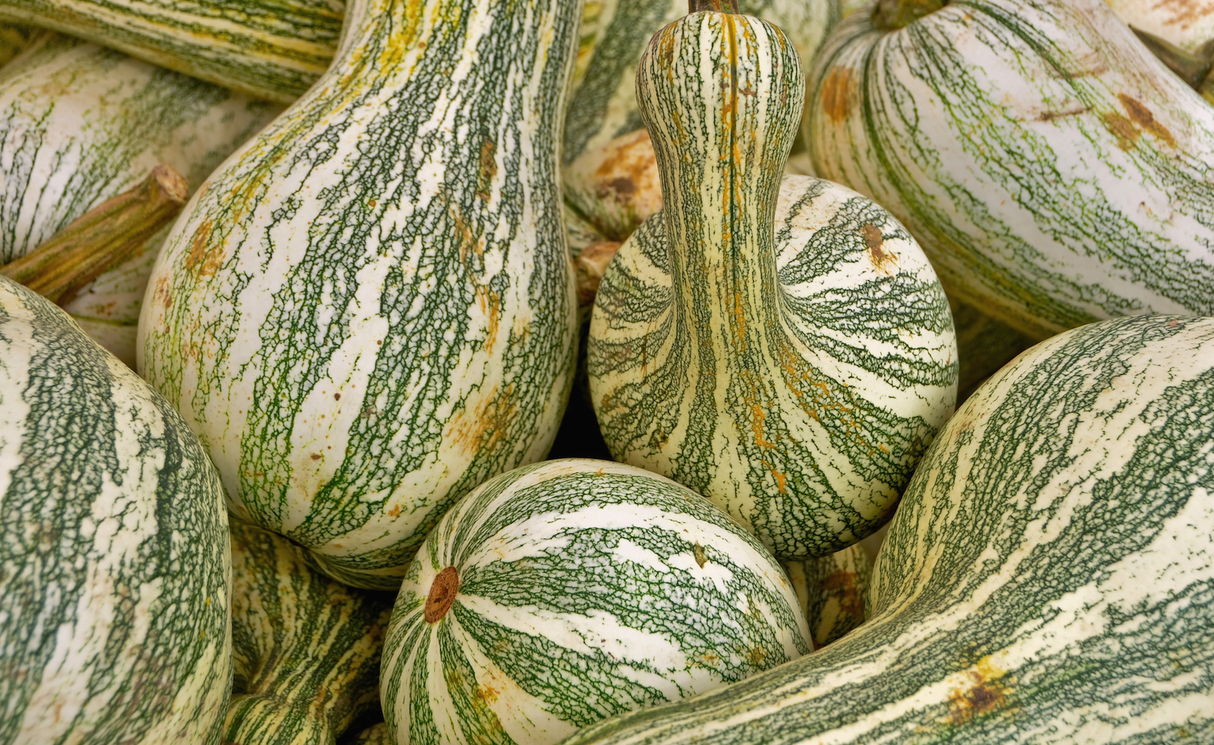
<point x="271" y="49"/>
<point x="114" y="555"/>
<point x="1052" y="169"/>
<point x="564" y="592"/>
<point x="306" y="648"/>
<point x="1048" y="576"/>
<point x="82" y="124"/>
<point x="784" y="350"/>
<point x="369" y="310"/>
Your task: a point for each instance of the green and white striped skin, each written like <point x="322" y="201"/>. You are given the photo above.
<point x="784" y="350"/>
<point x="831" y="591"/>
<point x="114" y="554"/>
<point x="1052" y="169"/>
<point x="1048" y="577"/>
<point x="80" y="124"/>
<point x="306" y="648"/>
<point x="564" y="592"/>
<point x="271" y="49"/>
<point x="369" y="310"/>
<point x="1189" y="24"/>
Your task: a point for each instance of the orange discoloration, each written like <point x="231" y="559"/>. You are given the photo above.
<point x="483" y="426"/>
<point x="163" y="296"/>
<point x="395" y="511"/>
<point x="490" y="304"/>
<point x="838" y="93"/>
<point x="1143" y="117"/>
<point x="488" y="170"/>
<point x="845" y="587"/>
<point x="487" y="693"/>
<point x="205" y="257"/>
<point x="883" y="260"/>
<point x="756" y="656"/>
<point x="985" y="692"/>
<point x="1123" y="129"/>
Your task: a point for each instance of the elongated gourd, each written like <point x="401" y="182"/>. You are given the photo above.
<point x="271" y="49"/>
<point x="1054" y="172"/>
<point x="114" y="555"/>
<point x="306" y="649"/>
<point x="370" y="309"/>
<point x="83" y="124"/>
<point x="1048" y="576"/>
<point x="782" y="348"/>
<point x="563" y="592"/>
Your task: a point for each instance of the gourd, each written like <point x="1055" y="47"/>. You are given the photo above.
<point x="1188" y="25"/>
<point x="114" y="556"/>
<point x="270" y="49"/>
<point x="1054" y="172"/>
<point x="1047" y="578"/>
<point x="83" y="124"/>
<point x="369" y="310"/>
<point x="564" y="592"/>
<point x="780" y="346"/>
<point x="830" y="592"/>
<point x="306" y="649"/>
<point x="13" y="38"/>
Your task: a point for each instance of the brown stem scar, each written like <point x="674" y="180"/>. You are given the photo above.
<point x="442" y="594"/>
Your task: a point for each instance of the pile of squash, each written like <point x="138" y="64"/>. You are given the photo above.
<point x="549" y="371"/>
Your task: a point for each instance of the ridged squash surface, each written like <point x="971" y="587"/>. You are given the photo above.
<point x="114" y="554"/>
<point x="369" y="310"/>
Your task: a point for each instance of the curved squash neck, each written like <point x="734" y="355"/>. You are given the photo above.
<point x="391" y="27"/>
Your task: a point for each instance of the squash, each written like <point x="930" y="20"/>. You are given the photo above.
<point x="306" y="649"/>
<point x="831" y="592"/>
<point x="114" y="556"/>
<point x="561" y="593"/>
<point x="783" y="349"/>
<point x="13" y="38"/>
<point x="1054" y="172"/>
<point x="369" y="310"/>
<point x="1188" y="25"/>
<point x="83" y="124"/>
<point x="1047" y="578"/>
<point x="271" y="49"/>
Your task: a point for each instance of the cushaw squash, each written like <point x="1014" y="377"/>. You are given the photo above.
<point x="1052" y="169"/>
<point x="114" y="556"/>
<point x="1047" y="578"/>
<point x="780" y="346"/>
<point x="370" y="309"/>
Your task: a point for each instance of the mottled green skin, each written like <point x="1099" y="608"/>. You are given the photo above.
<point x="781" y="346"/>
<point x="114" y="554"/>
<point x="306" y="648"/>
<point x="1047" y="578"/>
<point x="587" y="588"/>
<point x="369" y="310"/>
<point x="80" y="124"/>
<point x="1054" y="172"/>
<point x="271" y="49"/>
<point x="832" y="592"/>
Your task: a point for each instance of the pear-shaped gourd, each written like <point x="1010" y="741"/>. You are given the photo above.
<point x="784" y="350"/>
<point x="115" y="566"/>
<point x="1048" y="577"/>
<point x="370" y="309"/>
<point x="1053" y="170"/>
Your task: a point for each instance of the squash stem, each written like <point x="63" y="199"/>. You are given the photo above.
<point x="891" y="15"/>
<point x="718" y="6"/>
<point x="101" y="238"/>
<point x="1191" y="68"/>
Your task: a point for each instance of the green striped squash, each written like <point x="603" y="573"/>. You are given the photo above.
<point x="831" y="592"/>
<point x="783" y="349"/>
<point x="369" y="310"/>
<point x="114" y="556"/>
<point x="82" y="124"/>
<point x="1054" y="172"/>
<point x="1188" y="24"/>
<point x="1047" y="578"/>
<point x="564" y="592"/>
<point x="306" y="649"/>
<point x="271" y="49"/>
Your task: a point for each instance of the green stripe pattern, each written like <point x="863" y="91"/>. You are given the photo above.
<point x="370" y="310"/>
<point x="831" y="591"/>
<point x="1048" y="577"/>
<point x="80" y="124"/>
<point x="782" y="348"/>
<point x="270" y="49"/>
<point x="586" y="589"/>
<point x="114" y="556"/>
<point x="1054" y="172"/>
<point x="306" y="648"/>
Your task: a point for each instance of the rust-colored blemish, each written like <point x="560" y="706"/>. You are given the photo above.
<point x="701" y="559"/>
<point x="838" y="90"/>
<point x="488" y="169"/>
<point x="481" y="428"/>
<point x="1143" y="117"/>
<point x="1182" y="13"/>
<point x="442" y="594"/>
<point x="490" y="304"/>
<point x="487" y="693"/>
<point x="164" y="297"/>
<point x="1123" y="129"/>
<point x="756" y="656"/>
<point x="845" y="586"/>
<point x="1050" y="116"/>
<point x="985" y="692"/>
<point x="882" y="259"/>
<point x="394" y="511"/>
<point x="204" y="258"/>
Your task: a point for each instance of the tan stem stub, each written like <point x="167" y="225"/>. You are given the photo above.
<point x="101" y="238"/>
<point x="442" y="594"/>
<point x="718" y="6"/>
